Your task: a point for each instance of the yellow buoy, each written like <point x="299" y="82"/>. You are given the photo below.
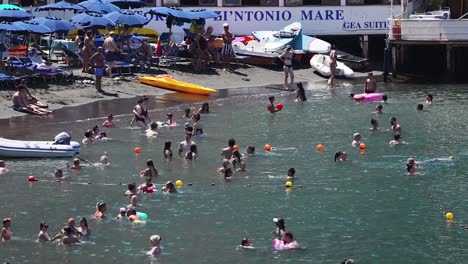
<point x="288" y="184"/>
<point x="179" y="183"/>
<point x="449" y="216"/>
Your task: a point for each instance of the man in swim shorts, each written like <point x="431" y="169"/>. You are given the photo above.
<point x="20" y="103"/>
<point x="111" y="52"/>
<point x="371" y="84"/>
<point x="98" y="58"/>
<point x="227" y="50"/>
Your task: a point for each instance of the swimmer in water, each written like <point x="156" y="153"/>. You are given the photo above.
<point x="43" y="236"/>
<point x="271" y="105"/>
<point x="122" y="213"/>
<point x="291" y="173"/>
<point x="147" y="186"/>
<point x="236" y="158"/>
<point x="396" y="140"/>
<point x="83" y="229"/>
<point x="280" y="226"/>
<point x="6" y="232"/>
<point x="187" y="113"/>
<point x="341" y="156"/>
<point x="169" y="188"/>
<point x="71" y="225"/>
<point x="102" y="137"/>
<point x="108" y="122"/>
<point x="227" y="152"/>
<point x="245" y="243"/>
<point x="429" y="99"/>
<point x="419" y="107"/>
<point x="228" y="174"/>
<point x="95" y="131"/>
<point x="155" y="242"/>
<point x="68" y="237"/>
<point x="185" y="145"/>
<point x="132" y="189"/>
<point x="168" y="119"/>
<point x="104" y="160"/>
<point x="150" y="170"/>
<point x="151" y="131"/>
<point x="167" y="149"/>
<point x="289" y="242"/>
<point x="192" y="154"/>
<point x="394" y="126"/>
<point x="356" y="139"/>
<point x="197" y="126"/>
<point x="76" y="164"/>
<point x="59" y="174"/>
<point x="224" y="167"/>
<point x="384" y="99"/>
<point x="411" y="166"/>
<point x="375" y="124"/>
<point x="205" y="109"/>
<point x="88" y="137"/>
<point x="101" y="209"/>
<point x="131" y="215"/>
<point x="133" y="202"/>
<point x="3" y="168"/>
<point x="250" y="150"/>
<point x="378" y="109"/>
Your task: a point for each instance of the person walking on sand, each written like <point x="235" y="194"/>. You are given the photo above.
<point x="331" y="81"/>
<point x="98" y="58"/>
<point x="111" y="52"/>
<point x="287" y="58"/>
<point x="371" y="84"/>
<point x="227" y="50"/>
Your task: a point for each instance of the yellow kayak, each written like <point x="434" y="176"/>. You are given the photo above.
<point x="167" y="82"/>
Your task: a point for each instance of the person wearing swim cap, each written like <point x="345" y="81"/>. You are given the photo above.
<point x="155" y="241"/>
<point x="101" y="209"/>
<point x="356" y="139"/>
<point x="122" y="213"/>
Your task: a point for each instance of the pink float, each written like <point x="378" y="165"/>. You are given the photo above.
<point x="368" y="97"/>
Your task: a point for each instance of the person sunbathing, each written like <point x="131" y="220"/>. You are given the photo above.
<point x="30" y="98"/>
<point x="21" y="104"/>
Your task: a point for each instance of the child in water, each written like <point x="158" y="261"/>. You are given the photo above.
<point x="245" y="243"/>
<point x="291" y="173"/>
<point x="396" y="140"/>
<point x="411" y="166"/>
<point x="375" y="124"/>
<point x="76" y="164"/>
<point x="341" y="156"/>
<point x="429" y="99"/>
<point x="167" y="149"/>
<point x="108" y="122"/>
<point x="168" y="119"/>
<point x="356" y="139"/>
<point x="104" y="160"/>
<point x="192" y="154"/>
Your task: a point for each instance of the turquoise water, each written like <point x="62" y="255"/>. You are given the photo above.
<point x="367" y="208"/>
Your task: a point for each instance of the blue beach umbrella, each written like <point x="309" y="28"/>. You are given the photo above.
<point x="175" y="12"/>
<point x="55" y="24"/>
<point x="127" y="18"/>
<point x="8" y="6"/>
<point x="11" y="15"/>
<point x="126" y="4"/>
<point x="33" y="27"/>
<point x="99" y="6"/>
<point x="92" y="20"/>
<point x="62" y="5"/>
<point x="7" y="26"/>
<point x="204" y="14"/>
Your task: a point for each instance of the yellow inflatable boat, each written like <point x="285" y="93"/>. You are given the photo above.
<point x="166" y="82"/>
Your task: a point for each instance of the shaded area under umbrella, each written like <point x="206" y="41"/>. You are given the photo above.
<point x="127" y="18"/>
<point x="92" y="20"/>
<point x="99" y="6"/>
<point x="62" y="5"/>
<point x="126" y="4"/>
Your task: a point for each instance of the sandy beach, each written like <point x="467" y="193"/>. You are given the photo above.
<point x="80" y="93"/>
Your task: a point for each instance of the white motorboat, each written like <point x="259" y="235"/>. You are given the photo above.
<point x="36" y="149"/>
<point x="321" y="63"/>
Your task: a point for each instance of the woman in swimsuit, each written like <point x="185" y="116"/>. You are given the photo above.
<point x="88" y="50"/>
<point x="286" y="58"/>
<point x="6" y="233"/>
<point x="150" y="171"/>
<point x="197" y="127"/>
<point x="101" y="209"/>
<point x="43" y="236"/>
<point x="83" y="229"/>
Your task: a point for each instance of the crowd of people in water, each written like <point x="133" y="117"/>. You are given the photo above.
<point x="232" y="162"/>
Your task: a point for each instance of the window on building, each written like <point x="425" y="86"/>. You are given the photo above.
<point x="293" y="2"/>
<point x="231" y="2"/>
<point x="28" y="2"/>
<point x="269" y="2"/>
<point x="189" y="2"/>
<point x="149" y="3"/>
<point x="250" y="2"/>
<point x="208" y="2"/>
<point x="312" y="2"/>
<point x="331" y="2"/>
<point x="170" y="3"/>
<point x="69" y="1"/>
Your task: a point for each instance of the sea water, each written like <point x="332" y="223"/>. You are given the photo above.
<point x="367" y="208"/>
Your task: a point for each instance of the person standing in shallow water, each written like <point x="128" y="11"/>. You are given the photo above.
<point x="287" y="59"/>
<point x="371" y="84"/>
<point x="271" y="105"/>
